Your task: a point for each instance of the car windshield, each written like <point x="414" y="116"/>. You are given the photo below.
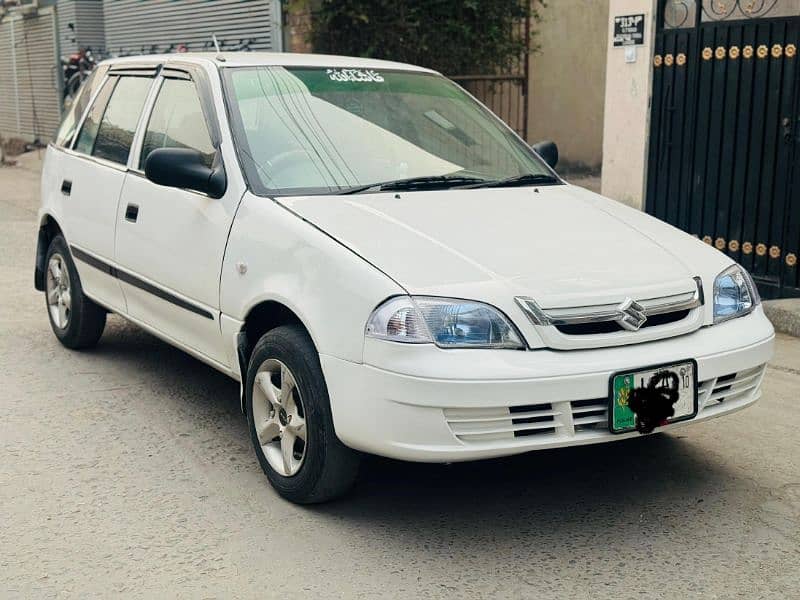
<point x="329" y="131"/>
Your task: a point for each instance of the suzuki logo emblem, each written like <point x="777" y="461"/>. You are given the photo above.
<point x="631" y="315"/>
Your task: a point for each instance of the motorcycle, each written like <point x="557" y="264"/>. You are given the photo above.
<point x="76" y="67"/>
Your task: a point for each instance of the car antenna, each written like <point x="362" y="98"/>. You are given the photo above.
<point x="216" y="45"/>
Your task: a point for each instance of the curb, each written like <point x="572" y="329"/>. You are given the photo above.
<point x="785" y="315"/>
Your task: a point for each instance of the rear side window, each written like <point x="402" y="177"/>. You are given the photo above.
<point x="110" y="136"/>
<point x="177" y="122"/>
<point x="115" y="136"/>
<point x="67" y="129"/>
<point x="85" y="142"/>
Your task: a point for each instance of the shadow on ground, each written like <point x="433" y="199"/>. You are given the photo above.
<point x="608" y="485"/>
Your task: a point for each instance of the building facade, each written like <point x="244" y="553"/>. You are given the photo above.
<point x="135" y="27"/>
<point x="36" y="34"/>
<point x="30" y="100"/>
<point x="568" y="81"/>
<point x="81" y="25"/>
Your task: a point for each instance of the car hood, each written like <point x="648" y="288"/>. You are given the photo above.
<point x="562" y="245"/>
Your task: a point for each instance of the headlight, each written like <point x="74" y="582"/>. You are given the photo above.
<point x="735" y="294"/>
<point x="446" y="322"/>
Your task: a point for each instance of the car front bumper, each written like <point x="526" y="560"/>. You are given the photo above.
<point x="421" y="403"/>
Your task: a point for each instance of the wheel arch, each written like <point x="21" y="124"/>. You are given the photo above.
<point x="48" y="229"/>
<point x="262" y="317"/>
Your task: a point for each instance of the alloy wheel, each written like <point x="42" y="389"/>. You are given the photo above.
<point x="279" y="417"/>
<point x="59" y="296"/>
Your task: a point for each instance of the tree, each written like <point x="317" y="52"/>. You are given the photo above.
<point x="456" y="37"/>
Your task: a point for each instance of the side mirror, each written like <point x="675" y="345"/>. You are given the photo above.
<point x="185" y="168"/>
<point x="548" y="151"/>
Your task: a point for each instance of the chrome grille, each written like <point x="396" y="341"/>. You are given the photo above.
<point x="624" y="321"/>
<point x="614" y="327"/>
<point x="615" y="313"/>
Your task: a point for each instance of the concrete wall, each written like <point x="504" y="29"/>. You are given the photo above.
<point x="568" y="80"/>
<point x="627" y="109"/>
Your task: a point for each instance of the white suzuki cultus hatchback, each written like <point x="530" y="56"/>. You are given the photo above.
<point x="384" y="265"/>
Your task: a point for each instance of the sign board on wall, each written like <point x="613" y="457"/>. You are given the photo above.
<point x="629" y="30"/>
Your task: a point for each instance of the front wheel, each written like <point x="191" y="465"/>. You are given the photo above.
<point x="290" y="421"/>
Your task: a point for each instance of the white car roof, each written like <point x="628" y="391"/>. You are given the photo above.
<point x="284" y="59"/>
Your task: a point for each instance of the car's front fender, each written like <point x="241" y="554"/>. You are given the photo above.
<point x="274" y="255"/>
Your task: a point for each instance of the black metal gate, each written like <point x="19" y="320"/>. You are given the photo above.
<point x="724" y="160"/>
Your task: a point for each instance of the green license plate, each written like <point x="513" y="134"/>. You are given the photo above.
<point x="622" y="418"/>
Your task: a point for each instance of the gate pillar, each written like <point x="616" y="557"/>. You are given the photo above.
<point x="629" y="70"/>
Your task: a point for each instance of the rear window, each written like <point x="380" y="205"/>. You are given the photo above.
<point x="115" y="136"/>
<point x="108" y="130"/>
<point x="85" y="142"/>
<point x="70" y="123"/>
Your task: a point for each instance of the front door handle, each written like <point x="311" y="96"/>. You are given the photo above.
<point x="66" y="187"/>
<point x="132" y="213"/>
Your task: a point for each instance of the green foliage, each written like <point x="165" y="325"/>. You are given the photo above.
<point x="456" y="37"/>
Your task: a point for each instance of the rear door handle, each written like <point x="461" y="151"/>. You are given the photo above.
<point x="132" y="213"/>
<point x="66" y="187"/>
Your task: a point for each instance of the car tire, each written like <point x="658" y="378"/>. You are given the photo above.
<point x="76" y="320"/>
<point x="286" y="394"/>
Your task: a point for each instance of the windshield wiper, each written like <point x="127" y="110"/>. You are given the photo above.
<point x="432" y="182"/>
<point x="518" y="181"/>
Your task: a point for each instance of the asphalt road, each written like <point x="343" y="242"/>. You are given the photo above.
<point x="128" y="470"/>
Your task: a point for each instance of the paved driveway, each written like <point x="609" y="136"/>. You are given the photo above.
<point x="128" y="469"/>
